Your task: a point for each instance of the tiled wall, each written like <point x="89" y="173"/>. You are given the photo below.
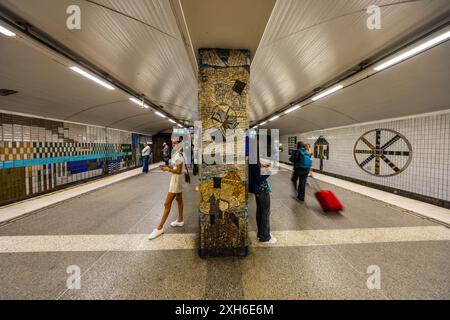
<point x="427" y="173"/>
<point x="39" y="155"/>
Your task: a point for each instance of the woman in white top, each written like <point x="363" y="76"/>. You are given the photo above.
<point x="175" y="190"/>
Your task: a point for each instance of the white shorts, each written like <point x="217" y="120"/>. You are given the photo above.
<point x="176" y="183"/>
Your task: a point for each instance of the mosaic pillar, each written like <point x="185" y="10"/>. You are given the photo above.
<point x="223" y="101"/>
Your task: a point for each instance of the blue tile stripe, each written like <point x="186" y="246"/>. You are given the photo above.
<point x="43" y="161"/>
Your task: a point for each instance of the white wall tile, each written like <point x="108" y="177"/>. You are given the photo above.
<point x="428" y="172"/>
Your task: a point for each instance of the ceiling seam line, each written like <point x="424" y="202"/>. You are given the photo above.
<point x="311" y="122"/>
<point x="133" y="18"/>
<point x="32" y="33"/>
<point x="123" y="119"/>
<point x="342" y="113"/>
<point x="91" y="108"/>
<point x="187" y="42"/>
<point x="365" y="64"/>
<point x="332" y="19"/>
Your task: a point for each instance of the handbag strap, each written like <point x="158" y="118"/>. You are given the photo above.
<point x="185" y="166"/>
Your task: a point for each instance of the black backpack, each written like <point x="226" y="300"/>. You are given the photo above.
<point x="295" y="157"/>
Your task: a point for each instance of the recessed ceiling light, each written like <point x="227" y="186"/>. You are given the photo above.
<point x="414" y="51"/>
<point x="327" y="92"/>
<point x="292" y="109"/>
<point x="6" y="32"/>
<point x="91" y="77"/>
<point x="140" y="103"/>
<point x="160" y="114"/>
<point x="274" y="118"/>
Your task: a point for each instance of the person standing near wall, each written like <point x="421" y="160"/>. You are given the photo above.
<point x="165" y="153"/>
<point x="310" y="152"/>
<point x="146" y="157"/>
<point x="302" y="165"/>
<point x="258" y="185"/>
<point x="321" y="157"/>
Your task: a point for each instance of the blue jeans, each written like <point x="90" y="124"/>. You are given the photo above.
<point x="300" y="175"/>
<point x="146" y="161"/>
<point x="263" y="215"/>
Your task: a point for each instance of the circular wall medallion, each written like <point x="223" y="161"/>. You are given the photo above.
<point x="382" y="152"/>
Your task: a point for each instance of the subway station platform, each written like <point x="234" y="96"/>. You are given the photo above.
<point x="318" y="256"/>
<point x="355" y="91"/>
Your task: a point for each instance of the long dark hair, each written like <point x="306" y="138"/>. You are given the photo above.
<point x="300" y="144"/>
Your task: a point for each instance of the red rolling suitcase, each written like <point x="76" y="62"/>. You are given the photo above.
<point x="327" y="199"/>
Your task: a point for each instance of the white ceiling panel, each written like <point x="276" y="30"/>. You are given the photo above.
<point x="137" y="42"/>
<point x="49" y="88"/>
<point x="309" y="42"/>
<point x="230" y="24"/>
<point x="418" y="85"/>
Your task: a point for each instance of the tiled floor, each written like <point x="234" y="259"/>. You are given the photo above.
<point x="424" y="209"/>
<point x="320" y="256"/>
<point x="17" y="210"/>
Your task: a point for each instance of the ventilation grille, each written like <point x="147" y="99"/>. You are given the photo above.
<point x="7" y="92"/>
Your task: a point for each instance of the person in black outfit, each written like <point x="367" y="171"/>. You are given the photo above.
<point x="166" y="153"/>
<point x="302" y="162"/>
<point x="260" y="188"/>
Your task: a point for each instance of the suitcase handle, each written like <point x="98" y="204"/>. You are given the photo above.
<point x="315" y="185"/>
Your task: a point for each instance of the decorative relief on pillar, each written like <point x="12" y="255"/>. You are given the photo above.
<point x="223" y="102"/>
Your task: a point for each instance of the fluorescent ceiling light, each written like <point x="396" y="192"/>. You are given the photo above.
<point x="179" y="125"/>
<point x="416" y="50"/>
<point x="292" y="109"/>
<point x="6" y="32"/>
<point x="91" y="77"/>
<point x="160" y="114"/>
<point x="274" y="118"/>
<point x="140" y="103"/>
<point x="172" y="121"/>
<point x="261" y="124"/>
<point x="327" y="92"/>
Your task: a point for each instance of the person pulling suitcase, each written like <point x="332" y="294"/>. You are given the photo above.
<point x="302" y="162"/>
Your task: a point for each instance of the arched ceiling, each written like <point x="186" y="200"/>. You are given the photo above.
<point x="136" y="42"/>
<point x="418" y="85"/>
<point x="47" y="87"/>
<point x="150" y="45"/>
<point x="309" y="42"/>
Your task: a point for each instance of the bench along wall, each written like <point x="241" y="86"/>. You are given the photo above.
<point x="409" y="156"/>
<point x="40" y="155"/>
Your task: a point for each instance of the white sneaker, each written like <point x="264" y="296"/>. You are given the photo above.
<point x="272" y="240"/>
<point x="155" y="234"/>
<point x="176" y="223"/>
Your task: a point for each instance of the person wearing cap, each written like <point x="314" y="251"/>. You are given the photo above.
<point x="146" y="157"/>
<point x="175" y="168"/>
